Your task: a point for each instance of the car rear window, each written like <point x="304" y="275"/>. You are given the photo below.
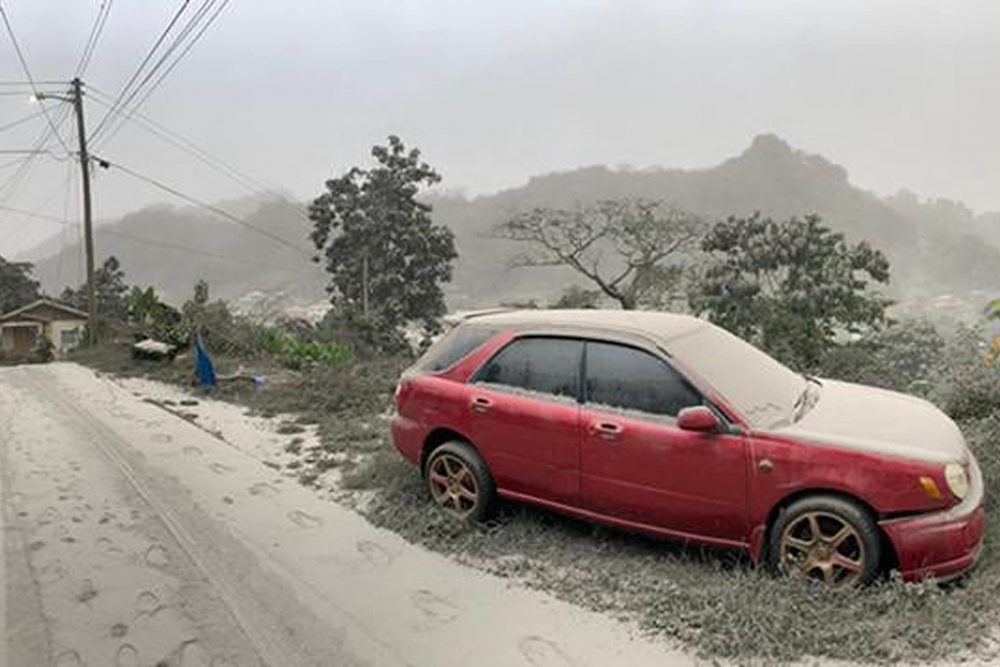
<point x="543" y="365"/>
<point x="455" y="346"/>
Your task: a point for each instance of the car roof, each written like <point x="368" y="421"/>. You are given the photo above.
<point x="662" y="327"/>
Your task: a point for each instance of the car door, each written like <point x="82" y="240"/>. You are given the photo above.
<point x="524" y="417"/>
<point x="637" y="465"/>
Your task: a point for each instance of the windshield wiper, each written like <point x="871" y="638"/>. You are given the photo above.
<point x="807" y="398"/>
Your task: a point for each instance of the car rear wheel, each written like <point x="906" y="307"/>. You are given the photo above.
<point x="459" y="482"/>
<point x="826" y="539"/>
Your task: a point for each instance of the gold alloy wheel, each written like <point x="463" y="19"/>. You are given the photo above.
<point x="453" y="485"/>
<point x="824" y="547"/>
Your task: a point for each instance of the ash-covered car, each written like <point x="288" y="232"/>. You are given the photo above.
<point x="668" y="425"/>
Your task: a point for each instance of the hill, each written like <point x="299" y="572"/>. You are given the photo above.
<point x="938" y="248"/>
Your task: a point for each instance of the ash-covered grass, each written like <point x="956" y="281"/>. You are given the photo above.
<point x="713" y="602"/>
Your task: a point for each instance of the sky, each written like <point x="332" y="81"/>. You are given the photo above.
<point x="903" y="93"/>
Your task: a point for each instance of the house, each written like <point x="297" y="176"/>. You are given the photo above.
<point x="61" y="324"/>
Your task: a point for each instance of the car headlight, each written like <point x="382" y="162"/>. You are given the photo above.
<point x="958" y="479"/>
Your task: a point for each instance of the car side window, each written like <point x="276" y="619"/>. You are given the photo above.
<point x="625" y="377"/>
<point x="536" y="364"/>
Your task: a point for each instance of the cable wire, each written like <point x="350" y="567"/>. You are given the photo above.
<point x="188" y="27"/>
<point x="95" y="35"/>
<point x="22" y="120"/>
<point x="135" y="75"/>
<point x="27" y="72"/>
<point x="208" y="207"/>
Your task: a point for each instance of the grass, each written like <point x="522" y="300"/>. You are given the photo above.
<point x="713" y="602"/>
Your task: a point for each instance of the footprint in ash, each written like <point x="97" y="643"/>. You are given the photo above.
<point x="435" y="609"/>
<point x="108" y="546"/>
<point x="69" y="658"/>
<point x="262" y="489"/>
<point x="147" y="604"/>
<point x="304" y="519"/>
<point x="162" y="438"/>
<point x="192" y="451"/>
<point x="543" y="652"/>
<point x="375" y="553"/>
<point x="220" y="468"/>
<point x="157" y="556"/>
<point x="127" y="656"/>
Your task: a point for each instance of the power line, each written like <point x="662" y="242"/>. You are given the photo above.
<point x="138" y="71"/>
<point x="66" y="223"/>
<point x="185" y="31"/>
<point x="22" y="120"/>
<point x="27" y="73"/>
<point x="15" y="179"/>
<point x="137" y="239"/>
<point x="201" y="154"/>
<point x="208" y="207"/>
<point x="95" y="35"/>
<point x="28" y="83"/>
<point x="190" y="147"/>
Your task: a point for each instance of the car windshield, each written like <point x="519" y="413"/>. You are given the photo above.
<point x="760" y="388"/>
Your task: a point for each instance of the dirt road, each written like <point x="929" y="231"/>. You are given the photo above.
<point x="132" y="537"/>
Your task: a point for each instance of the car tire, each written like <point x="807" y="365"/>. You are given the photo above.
<point x="825" y="538"/>
<point x="459" y="482"/>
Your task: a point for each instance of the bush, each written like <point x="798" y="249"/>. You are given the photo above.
<point x="903" y="357"/>
<point x="298" y="354"/>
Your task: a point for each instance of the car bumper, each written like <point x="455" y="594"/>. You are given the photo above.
<point x="928" y="546"/>
<point x="942" y="544"/>
<point x="407" y="436"/>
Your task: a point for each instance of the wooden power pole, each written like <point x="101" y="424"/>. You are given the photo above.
<point x="88" y="228"/>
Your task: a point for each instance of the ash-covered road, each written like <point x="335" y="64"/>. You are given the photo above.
<point x="132" y="537"/>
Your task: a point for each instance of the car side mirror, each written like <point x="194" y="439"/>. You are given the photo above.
<point x="699" y="419"/>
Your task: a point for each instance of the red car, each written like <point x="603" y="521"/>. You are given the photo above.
<point x="668" y="425"/>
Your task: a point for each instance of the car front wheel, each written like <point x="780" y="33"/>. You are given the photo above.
<point x="459" y="482"/>
<point x="828" y="539"/>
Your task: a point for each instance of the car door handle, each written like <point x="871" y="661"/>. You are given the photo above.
<point x="481" y="404"/>
<point x="607" y="430"/>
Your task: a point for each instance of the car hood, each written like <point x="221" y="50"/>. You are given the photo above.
<point x="878" y="421"/>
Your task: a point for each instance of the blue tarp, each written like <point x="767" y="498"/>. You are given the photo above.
<point x="203" y="364"/>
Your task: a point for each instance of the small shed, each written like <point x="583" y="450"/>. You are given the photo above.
<point x="63" y="325"/>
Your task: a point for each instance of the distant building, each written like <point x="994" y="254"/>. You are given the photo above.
<point x="61" y="324"/>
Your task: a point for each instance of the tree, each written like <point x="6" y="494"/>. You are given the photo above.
<point x="575" y="296"/>
<point x="17" y="287"/>
<point x="109" y="288"/>
<point x="790" y="287"/>
<point x="647" y="243"/>
<point x="386" y="257"/>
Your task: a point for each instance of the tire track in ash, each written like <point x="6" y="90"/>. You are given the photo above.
<point x="274" y="645"/>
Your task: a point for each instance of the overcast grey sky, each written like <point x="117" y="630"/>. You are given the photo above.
<point x="903" y="93"/>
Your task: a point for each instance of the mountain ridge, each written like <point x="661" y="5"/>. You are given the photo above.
<point x="935" y="245"/>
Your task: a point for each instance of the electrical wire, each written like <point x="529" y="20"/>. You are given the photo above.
<point x="188" y="146"/>
<point x="249" y="183"/>
<point x="15" y="123"/>
<point x="174" y="45"/>
<point x="135" y="75"/>
<point x="95" y="35"/>
<point x="208" y="207"/>
<point x="27" y="72"/>
<point x="137" y="239"/>
<point x="177" y="60"/>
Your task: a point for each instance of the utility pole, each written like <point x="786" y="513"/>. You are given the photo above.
<point x="88" y="229"/>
